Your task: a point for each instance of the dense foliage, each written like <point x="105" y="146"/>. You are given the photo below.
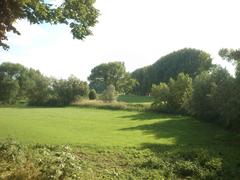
<point x="188" y="61"/>
<point x="20" y="83"/>
<point x="213" y="95"/>
<point x="216" y="96"/>
<point x="92" y="94"/>
<point x="13" y="82"/>
<point x="66" y="91"/>
<point x="80" y="15"/>
<point x="113" y="73"/>
<point x="174" y="96"/>
<point x="38" y="89"/>
<point x="109" y="94"/>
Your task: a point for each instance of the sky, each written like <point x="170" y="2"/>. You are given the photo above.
<point x="137" y="32"/>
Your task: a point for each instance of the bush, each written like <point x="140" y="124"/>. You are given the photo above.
<point x="67" y="91"/>
<point x="174" y="96"/>
<point x="180" y="91"/>
<point x="109" y="94"/>
<point x="213" y="98"/>
<point x="92" y="94"/>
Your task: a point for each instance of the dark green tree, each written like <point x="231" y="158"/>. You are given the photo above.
<point x="66" y="91"/>
<point x="180" y="91"/>
<point x="113" y="73"/>
<point x="38" y="88"/>
<point x="161" y="94"/>
<point x="13" y="79"/>
<point x="188" y="61"/>
<point x="18" y="73"/>
<point x="212" y="98"/>
<point x="8" y="90"/>
<point x="174" y="96"/>
<point x="233" y="56"/>
<point x="92" y="94"/>
<point x="80" y="15"/>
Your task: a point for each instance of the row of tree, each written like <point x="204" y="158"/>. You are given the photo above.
<point x="212" y="95"/>
<point x="189" y="61"/>
<point x="20" y="83"/>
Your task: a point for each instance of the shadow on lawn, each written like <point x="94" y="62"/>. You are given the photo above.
<point x="201" y="146"/>
<point x="151" y="115"/>
<point x="184" y="130"/>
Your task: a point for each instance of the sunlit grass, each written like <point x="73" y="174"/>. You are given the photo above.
<point x="116" y="144"/>
<point x="84" y="126"/>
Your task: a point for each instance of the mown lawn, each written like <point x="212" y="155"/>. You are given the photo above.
<point x="79" y="126"/>
<point x="121" y="144"/>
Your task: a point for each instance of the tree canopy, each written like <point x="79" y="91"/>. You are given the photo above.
<point x="188" y="61"/>
<point x="80" y="15"/>
<point x="113" y="73"/>
<point x="20" y="83"/>
<point x="174" y="96"/>
<point x="233" y="56"/>
<point x="230" y="54"/>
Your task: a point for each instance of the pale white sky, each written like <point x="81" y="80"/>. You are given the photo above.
<point x="137" y="32"/>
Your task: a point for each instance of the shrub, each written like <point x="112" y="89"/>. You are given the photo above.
<point x="92" y="94"/>
<point x="109" y="94"/>
<point x="161" y="94"/>
<point x="68" y="91"/>
<point x="180" y="91"/>
<point x="213" y="98"/>
<point x="174" y="96"/>
<point x="160" y="91"/>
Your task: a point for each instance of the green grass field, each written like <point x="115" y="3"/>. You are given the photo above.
<point x="114" y="144"/>
<point x="103" y="127"/>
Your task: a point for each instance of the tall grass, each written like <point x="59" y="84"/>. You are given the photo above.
<point x="115" y="105"/>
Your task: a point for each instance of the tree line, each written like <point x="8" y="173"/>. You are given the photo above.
<point x="20" y="83"/>
<point x="212" y="95"/>
<point x="189" y="61"/>
<point x="199" y="88"/>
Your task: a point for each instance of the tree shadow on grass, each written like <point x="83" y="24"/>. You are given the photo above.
<point x="184" y="130"/>
<point x="204" y="147"/>
<point x="151" y="115"/>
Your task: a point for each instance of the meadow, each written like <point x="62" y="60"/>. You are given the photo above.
<point x="124" y="144"/>
<point x="86" y="126"/>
